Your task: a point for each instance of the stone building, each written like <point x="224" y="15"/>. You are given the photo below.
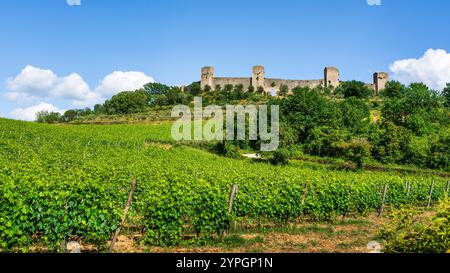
<point x="258" y="79"/>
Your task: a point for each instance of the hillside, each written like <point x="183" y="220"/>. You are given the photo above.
<point x="64" y="182"/>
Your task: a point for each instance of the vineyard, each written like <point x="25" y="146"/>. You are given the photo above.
<point x="71" y="183"/>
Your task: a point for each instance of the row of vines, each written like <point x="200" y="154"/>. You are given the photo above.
<point x="71" y="182"/>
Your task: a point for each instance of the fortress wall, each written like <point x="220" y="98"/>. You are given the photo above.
<point x="292" y="83"/>
<point x="234" y="81"/>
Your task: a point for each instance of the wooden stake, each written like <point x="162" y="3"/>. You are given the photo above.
<point x="447" y="188"/>
<point x="125" y="213"/>
<point x="383" y="200"/>
<point x="431" y="194"/>
<point x="305" y="194"/>
<point x="409" y="189"/>
<point x="234" y="190"/>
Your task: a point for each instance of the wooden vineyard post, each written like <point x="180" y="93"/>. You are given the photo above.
<point x="305" y="194"/>
<point x="408" y="189"/>
<point x="233" y="192"/>
<point x="447" y="189"/>
<point x="234" y="189"/>
<point x="125" y="213"/>
<point x="431" y="194"/>
<point x="383" y="200"/>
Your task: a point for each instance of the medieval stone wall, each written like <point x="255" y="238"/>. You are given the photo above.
<point x="246" y="82"/>
<point x="258" y="79"/>
<point x="291" y="84"/>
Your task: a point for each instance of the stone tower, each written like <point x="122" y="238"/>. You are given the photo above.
<point x="258" y="76"/>
<point x="380" y="79"/>
<point x="331" y="77"/>
<point x="207" y="77"/>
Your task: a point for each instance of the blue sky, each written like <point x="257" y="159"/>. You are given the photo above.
<point x="81" y="46"/>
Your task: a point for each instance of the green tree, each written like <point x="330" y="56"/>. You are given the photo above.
<point x="439" y="156"/>
<point x="99" y="109"/>
<point x="284" y="90"/>
<point x="48" y="117"/>
<point x="127" y="102"/>
<point x="417" y="108"/>
<point x="238" y="92"/>
<point x="194" y="89"/>
<point x="394" y="89"/>
<point x="355" y="115"/>
<point x="156" y="88"/>
<point x="280" y="157"/>
<point x="446" y="95"/>
<point x="305" y="111"/>
<point x="70" y="115"/>
<point x="354" y="89"/>
<point x="207" y="89"/>
<point x="355" y="150"/>
<point x="260" y="90"/>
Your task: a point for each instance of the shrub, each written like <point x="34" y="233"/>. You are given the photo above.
<point x="280" y="157"/>
<point x="127" y="102"/>
<point x="354" y="89"/>
<point x="407" y="233"/>
<point x="357" y="150"/>
<point x="47" y="117"/>
<point x="227" y="149"/>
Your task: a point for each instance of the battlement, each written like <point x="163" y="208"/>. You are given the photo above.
<point x="258" y="80"/>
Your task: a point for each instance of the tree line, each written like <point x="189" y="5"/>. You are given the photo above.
<point x="405" y="125"/>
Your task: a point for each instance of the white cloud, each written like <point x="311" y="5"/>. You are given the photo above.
<point x="34" y="85"/>
<point x="433" y="69"/>
<point x="73" y="2"/>
<point x="120" y="80"/>
<point x="21" y="98"/>
<point x="32" y="79"/>
<point x="29" y="114"/>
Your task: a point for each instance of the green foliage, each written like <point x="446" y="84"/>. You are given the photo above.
<point x="156" y="88"/>
<point x="71" y="115"/>
<point x="127" y="102"/>
<point x="53" y="189"/>
<point x="47" y="117"/>
<point x="412" y="129"/>
<point x="280" y="157"/>
<point x="416" y="108"/>
<point x="407" y="233"/>
<point x="99" y="109"/>
<point x="446" y="95"/>
<point x="194" y="89"/>
<point x="260" y="90"/>
<point x="207" y="89"/>
<point x="389" y="142"/>
<point x="228" y="88"/>
<point x="354" y="89"/>
<point x="439" y="155"/>
<point x="356" y="150"/>
<point x="305" y="111"/>
<point x="227" y="149"/>
<point x="394" y="89"/>
<point x="355" y="115"/>
<point x="284" y="90"/>
<point x="238" y="92"/>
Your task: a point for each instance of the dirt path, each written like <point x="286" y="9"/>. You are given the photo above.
<point x="351" y="236"/>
